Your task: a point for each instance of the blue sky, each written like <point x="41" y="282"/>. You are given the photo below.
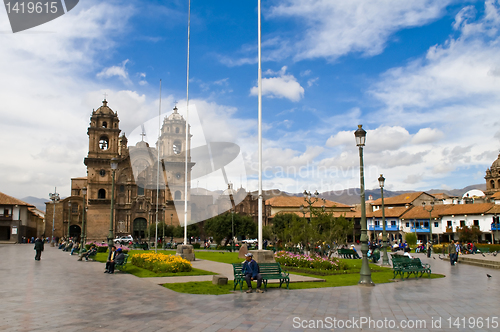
<point x="421" y="76"/>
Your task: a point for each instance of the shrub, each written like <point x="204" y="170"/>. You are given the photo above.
<point x="196" y="246"/>
<point x="160" y="262"/>
<point x="411" y="239"/>
<point x="312" y="262"/>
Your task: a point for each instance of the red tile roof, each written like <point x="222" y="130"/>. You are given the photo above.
<point x="496" y="195"/>
<point x="418" y="212"/>
<point x="460" y="209"/>
<point x="295" y="201"/>
<point x="9" y="200"/>
<point x="400" y="199"/>
<point x="389" y="212"/>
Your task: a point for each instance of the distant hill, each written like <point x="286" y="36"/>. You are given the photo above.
<point x="351" y="196"/>
<point x="39" y="203"/>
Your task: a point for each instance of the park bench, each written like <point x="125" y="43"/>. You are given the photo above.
<point x="143" y="246"/>
<point x="403" y="264"/>
<point x="120" y="266"/>
<point x="375" y="257"/>
<point x="268" y="271"/>
<point x="484" y="250"/>
<point x="347" y="253"/>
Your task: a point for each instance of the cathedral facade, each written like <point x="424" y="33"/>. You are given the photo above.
<point x="133" y="184"/>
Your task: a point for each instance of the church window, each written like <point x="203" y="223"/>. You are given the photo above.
<point x="492" y="184"/>
<point x="103" y="143"/>
<point x="177" y="195"/>
<point x="140" y="191"/>
<point x="177" y="147"/>
<point x="104" y="124"/>
<point x="101" y="194"/>
<point x="122" y="188"/>
<point x="178" y="176"/>
<point x="74" y="208"/>
<point x="177" y="130"/>
<point x="102" y="172"/>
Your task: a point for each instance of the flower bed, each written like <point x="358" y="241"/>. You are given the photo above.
<point x="161" y="262"/>
<point x="312" y="262"/>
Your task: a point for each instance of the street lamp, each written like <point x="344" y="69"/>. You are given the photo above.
<point x="54" y="198"/>
<point x="430" y="222"/>
<point x="232" y="229"/>
<point x="172" y="228"/>
<point x="385" y="259"/>
<point x="69" y="217"/>
<point x="114" y="166"/>
<point x="365" y="273"/>
<point x="82" y="235"/>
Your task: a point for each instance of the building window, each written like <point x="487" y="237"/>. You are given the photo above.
<point x="177" y="195"/>
<point x="177" y="147"/>
<point x="393" y="222"/>
<point x="462" y="223"/>
<point x="377" y="223"/>
<point x="74" y="208"/>
<point x="103" y="143"/>
<point x="140" y="191"/>
<point x="122" y="188"/>
<point x="177" y="130"/>
<point x="426" y="224"/>
<point x="448" y="223"/>
<point x="476" y="223"/>
<point x="101" y="194"/>
<point x="436" y="224"/>
<point x="104" y="124"/>
<point x="407" y="224"/>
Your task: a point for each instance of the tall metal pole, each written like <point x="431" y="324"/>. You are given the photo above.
<point x="158" y="174"/>
<point x="260" y="129"/>
<point x="365" y="273"/>
<point x="54" y="197"/>
<point x="232" y="229"/>
<point x="385" y="258"/>
<point x="187" y="129"/>
<point x="82" y="234"/>
<point x="69" y="217"/>
<point x="110" y="235"/>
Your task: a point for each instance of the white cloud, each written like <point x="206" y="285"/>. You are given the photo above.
<point x="312" y="81"/>
<point x="282" y="86"/>
<point x="118" y="71"/>
<point x="427" y="135"/>
<point x="381" y="139"/>
<point x="334" y="28"/>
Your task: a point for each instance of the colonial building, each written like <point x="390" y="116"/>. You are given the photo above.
<point x="18" y="219"/>
<point x="493" y="178"/>
<point x="134" y="181"/>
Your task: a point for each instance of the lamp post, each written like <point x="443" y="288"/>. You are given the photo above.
<point x="82" y="235"/>
<point x="232" y="229"/>
<point x="430" y="218"/>
<point x="69" y="217"/>
<point x="114" y="166"/>
<point x="385" y="259"/>
<point x="365" y="274"/>
<point x="54" y="198"/>
<point x="172" y="228"/>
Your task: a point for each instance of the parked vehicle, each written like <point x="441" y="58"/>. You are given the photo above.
<point x="124" y="239"/>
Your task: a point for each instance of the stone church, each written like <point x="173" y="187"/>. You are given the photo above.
<point x="135" y="181"/>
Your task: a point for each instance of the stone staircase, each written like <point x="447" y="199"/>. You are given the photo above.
<point x="487" y="261"/>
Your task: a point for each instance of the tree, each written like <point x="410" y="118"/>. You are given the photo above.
<point x="281" y="222"/>
<point x="469" y="234"/>
<point x="220" y="227"/>
<point x="411" y="239"/>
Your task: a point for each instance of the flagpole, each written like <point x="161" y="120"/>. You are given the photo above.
<point x="186" y="149"/>
<point x="158" y="174"/>
<point x="260" y="132"/>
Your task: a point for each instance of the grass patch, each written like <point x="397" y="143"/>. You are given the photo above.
<point x="351" y="278"/>
<point x="144" y="273"/>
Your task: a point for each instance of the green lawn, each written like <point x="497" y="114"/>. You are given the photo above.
<point x="144" y="273"/>
<point x="339" y="280"/>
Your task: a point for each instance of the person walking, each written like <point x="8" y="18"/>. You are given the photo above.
<point x="38" y="248"/>
<point x="429" y="249"/>
<point x="453" y="252"/>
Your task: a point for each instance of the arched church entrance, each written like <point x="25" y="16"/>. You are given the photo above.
<point x="75" y="231"/>
<point x="139" y="228"/>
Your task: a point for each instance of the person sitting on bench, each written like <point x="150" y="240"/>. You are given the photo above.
<point x="118" y="259"/>
<point x="110" y="263"/>
<point x="251" y="271"/>
<point x="92" y="251"/>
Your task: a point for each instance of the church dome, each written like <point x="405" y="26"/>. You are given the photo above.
<point x="175" y="115"/>
<point x="496" y="163"/>
<point x="104" y="109"/>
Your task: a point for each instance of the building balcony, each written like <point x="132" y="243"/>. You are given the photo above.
<point x="421" y="229"/>
<point x="495" y="227"/>
<point x="449" y="229"/>
<point x="6" y="217"/>
<point x="388" y="228"/>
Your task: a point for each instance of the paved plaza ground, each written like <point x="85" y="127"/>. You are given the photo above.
<point x="59" y="293"/>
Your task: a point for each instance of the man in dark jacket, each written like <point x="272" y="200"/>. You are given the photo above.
<point x="111" y="260"/>
<point x="251" y="271"/>
<point x="118" y="259"/>
<point x="38" y="248"/>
